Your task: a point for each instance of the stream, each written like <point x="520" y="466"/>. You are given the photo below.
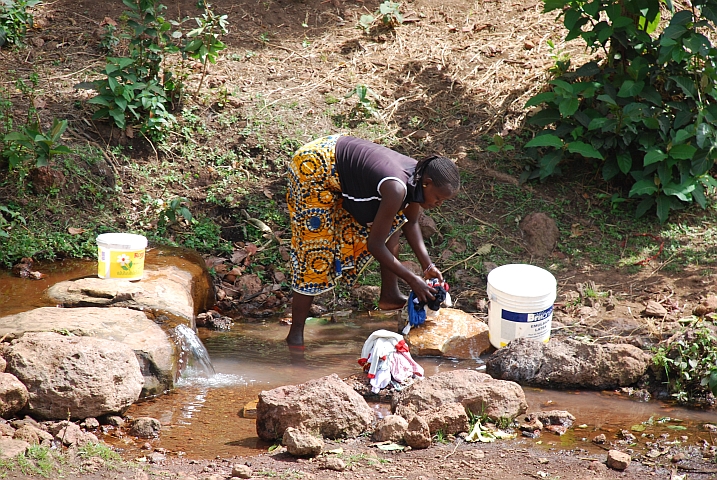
<point x="202" y="418"/>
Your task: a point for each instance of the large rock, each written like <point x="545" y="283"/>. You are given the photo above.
<point x="13" y="395"/>
<point x="325" y="406"/>
<point x="568" y="364"/>
<point x="157" y="355"/>
<point x="451" y="333"/>
<point x="477" y="392"/>
<point x="160" y="295"/>
<point x="73" y="376"/>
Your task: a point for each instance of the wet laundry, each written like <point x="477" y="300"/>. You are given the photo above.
<point x="418" y="311"/>
<point x="386" y="359"/>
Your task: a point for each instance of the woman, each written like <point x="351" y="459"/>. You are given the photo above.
<point x="347" y="199"/>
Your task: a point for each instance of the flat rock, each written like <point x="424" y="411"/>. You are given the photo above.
<point x="175" y="287"/>
<point x="451" y="333"/>
<point x="11" y="448"/>
<point x="155" y="351"/>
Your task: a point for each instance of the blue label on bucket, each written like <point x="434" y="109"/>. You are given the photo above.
<point x="527" y="317"/>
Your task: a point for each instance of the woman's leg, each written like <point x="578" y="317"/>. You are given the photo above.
<point x="391" y="297"/>
<point x="300" y="306"/>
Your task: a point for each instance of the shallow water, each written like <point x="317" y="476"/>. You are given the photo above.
<point x="202" y="417"/>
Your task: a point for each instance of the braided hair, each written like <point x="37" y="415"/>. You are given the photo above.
<point x="441" y="170"/>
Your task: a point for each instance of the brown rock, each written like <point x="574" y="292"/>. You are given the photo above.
<point x="45" y="179"/>
<point x="449" y="418"/>
<point x="418" y="434"/>
<point x="390" y="428"/>
<point x="618" y="460"/>
<point x="427" y="225"/>
<point x="451" y="333"/>
<point x="708" y="305"/>
<point x="654" y="309"/>
<point x="540" y="233"/>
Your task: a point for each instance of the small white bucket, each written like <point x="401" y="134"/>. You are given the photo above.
<point x="521" y="303"/>
<point x="120" y="255"/>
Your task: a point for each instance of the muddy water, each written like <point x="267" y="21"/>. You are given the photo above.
<point x="202" y="417"/>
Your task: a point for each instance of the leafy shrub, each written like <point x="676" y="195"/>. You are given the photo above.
<point x="140" y="89"/>
<point x="388" y="15"/>
<point x="14" y="19"/>
<point x="647" y="113"/>
<point x="28" y="145"/>
<point x="690" y="365"/>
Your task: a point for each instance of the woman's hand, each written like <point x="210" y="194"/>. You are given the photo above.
<point x="423" y="292"/>
<point x="432" y="272"/>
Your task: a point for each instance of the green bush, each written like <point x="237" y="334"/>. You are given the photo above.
<point x="690" y="365"/>
<point x="140" y="89"/>
<point x="647" y="113"/>
<point x="14" y="19"/>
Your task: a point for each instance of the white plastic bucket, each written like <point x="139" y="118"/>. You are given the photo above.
<point x="120" y="255"/>
<point x="521" y="303"/>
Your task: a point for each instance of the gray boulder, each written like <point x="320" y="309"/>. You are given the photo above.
<point x="568" y="364"/>
<point x="325" y="406"/>
<point x="157" y="355"/>
<point x="476" y="391"/>
<point x="76" y="376"/>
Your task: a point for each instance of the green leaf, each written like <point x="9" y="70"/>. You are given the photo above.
<point x="645" y="186"/>
<point x="653" y="156"/>
<point x="562" y="85"/>
<point x="584" y="149"/>
<point x="686" y="84"/>
<point x="547" y="140"/>
<point x="545" y="117"/>
<point x="682" y="152"/>
<point x="597" y="122"/>
<point x="682" y="135"/>
<point x="548" y="163"/>
<point x="699" y="196"/>
<point x="682" y="191"/>
<point x="607" y="99"/>
<point x="610" y="169"/>
<point x="703" y="134"/>
<point x="569" y="106"/>
<point x="551" y="5"/>
<point x="630" y="88"/>
<point x="544" y="97"/>
<point x="663" y="211"/>
<point x="624" y="161"/>
<point x="644" y="206"/>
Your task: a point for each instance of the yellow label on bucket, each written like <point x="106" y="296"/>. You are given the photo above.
<point x="120" y="264"/>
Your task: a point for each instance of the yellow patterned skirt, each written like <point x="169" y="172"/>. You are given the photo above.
<point x="327" y="243"/>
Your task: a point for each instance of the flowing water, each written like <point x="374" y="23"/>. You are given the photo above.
<point x="203" y="416"/>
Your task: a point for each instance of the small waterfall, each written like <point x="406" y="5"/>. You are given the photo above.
<point x="194" y="358"/>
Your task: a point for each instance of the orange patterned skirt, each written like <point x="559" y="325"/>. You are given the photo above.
<point x="327" y="243"/>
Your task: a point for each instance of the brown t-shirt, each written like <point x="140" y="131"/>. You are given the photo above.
<point x="362" y="167"/>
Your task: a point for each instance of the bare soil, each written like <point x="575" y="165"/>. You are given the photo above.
<point x="454" y="74"/>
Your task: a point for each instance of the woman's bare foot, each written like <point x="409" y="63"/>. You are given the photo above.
<point x="392" y="302"/>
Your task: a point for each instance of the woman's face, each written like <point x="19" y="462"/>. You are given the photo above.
<point x="434" y="196"/>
